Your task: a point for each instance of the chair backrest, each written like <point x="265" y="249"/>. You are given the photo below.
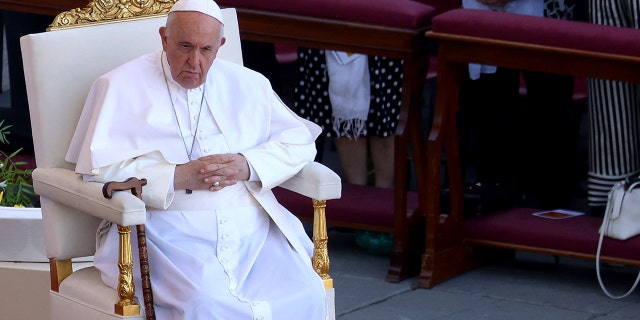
<point x="61" y="65"/>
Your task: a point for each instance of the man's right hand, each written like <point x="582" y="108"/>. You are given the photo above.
<point x="212" y="172"/>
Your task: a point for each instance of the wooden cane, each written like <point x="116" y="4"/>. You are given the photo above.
<point x="135" y="185"/>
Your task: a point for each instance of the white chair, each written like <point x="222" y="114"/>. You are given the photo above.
<point x="60" y="66"/>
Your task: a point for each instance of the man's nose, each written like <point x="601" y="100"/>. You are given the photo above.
<point x="194" y="58"/>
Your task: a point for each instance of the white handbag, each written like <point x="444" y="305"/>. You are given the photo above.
<point x="621" y="221"/>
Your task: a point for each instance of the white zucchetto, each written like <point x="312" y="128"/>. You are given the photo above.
<point x="208" y="7"/>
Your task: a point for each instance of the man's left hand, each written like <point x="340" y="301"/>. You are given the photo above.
<point x="223" y="170"/>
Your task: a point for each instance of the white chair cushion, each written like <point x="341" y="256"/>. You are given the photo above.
<point x="85" y="296"/>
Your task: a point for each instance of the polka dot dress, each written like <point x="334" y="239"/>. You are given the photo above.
<point x="312" y="96"/>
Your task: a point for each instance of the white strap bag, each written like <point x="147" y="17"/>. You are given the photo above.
<point x="621" y="221"/>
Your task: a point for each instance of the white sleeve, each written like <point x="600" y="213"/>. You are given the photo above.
<point x="158" y="193"/>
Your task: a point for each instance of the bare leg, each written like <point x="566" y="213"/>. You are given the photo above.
<point x="353" y="157"/>
<point x="382" y="150"/>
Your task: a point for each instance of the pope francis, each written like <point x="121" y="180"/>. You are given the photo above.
<point x="212" y="139"/>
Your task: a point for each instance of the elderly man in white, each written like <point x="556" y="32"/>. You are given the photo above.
<point x="212" y="139"/>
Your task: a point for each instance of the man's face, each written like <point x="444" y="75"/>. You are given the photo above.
<point x="191" y="41"/>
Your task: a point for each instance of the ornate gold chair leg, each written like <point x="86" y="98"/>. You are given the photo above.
<point x="128" y="304"/>
<point x="320" y="239"/>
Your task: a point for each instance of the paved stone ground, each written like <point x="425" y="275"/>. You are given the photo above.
<point x="529" y="287"/>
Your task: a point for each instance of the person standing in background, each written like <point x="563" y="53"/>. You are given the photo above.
<point x="614" y="127"/>
<point x="377" y="89"/>
<point x="522" y="148"/>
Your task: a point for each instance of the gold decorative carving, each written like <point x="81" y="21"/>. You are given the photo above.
<point x="104" y="11"/>
<point x="320" y="259"/>
<point x="128" y="304"/>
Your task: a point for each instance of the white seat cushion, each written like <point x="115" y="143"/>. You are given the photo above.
<point x="86" y="296"/>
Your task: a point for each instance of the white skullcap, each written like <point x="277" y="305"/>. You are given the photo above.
<point x="208" y="7"/>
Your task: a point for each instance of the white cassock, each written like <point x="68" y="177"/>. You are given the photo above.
<point x="232" y="254"/>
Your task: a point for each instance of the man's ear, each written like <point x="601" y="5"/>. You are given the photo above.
<point x="222" y="41"/>
<point x="162" y="32"/>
